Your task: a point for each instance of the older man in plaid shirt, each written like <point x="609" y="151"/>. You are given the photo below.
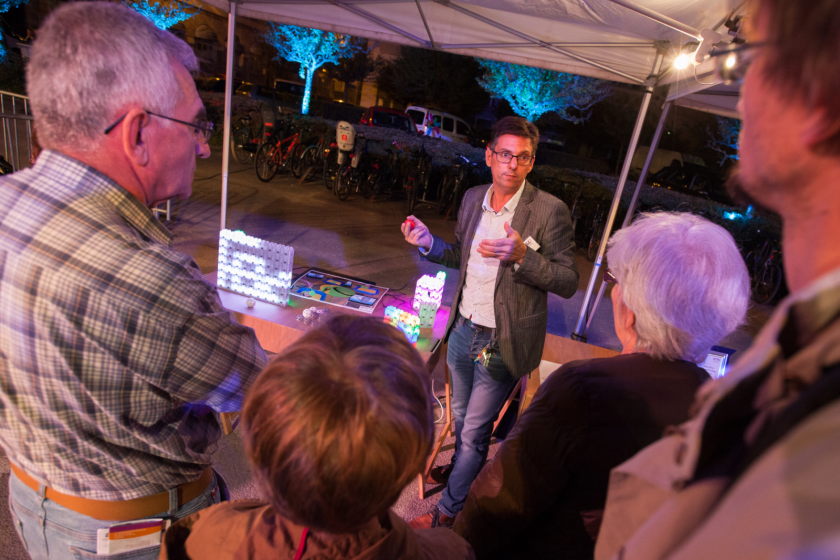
<point x="114" y="352"/>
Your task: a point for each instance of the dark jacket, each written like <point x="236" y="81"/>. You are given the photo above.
<point x="252" y="530"/>
<point x="521" y="297"/>
<point x="543" y="494"/>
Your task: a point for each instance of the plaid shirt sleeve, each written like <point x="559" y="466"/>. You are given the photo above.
<point x="217" y="359"/>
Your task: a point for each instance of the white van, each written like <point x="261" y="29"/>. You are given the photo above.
<point x="437" y="123"/>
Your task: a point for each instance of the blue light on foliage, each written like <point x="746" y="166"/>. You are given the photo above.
<point x="732" y="215"/>
<point x="311" y="48"/>
<point x="163" y="17"/>
<point x="532" y="92"/>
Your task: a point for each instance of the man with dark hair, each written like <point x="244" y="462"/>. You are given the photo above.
<point x="754" y="473"/>
<point x="334" y="428"/>
<point x="115" y="351"/>
<point x="514" y="244"/>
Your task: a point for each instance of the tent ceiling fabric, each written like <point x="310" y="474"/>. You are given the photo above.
<point x="505" y="29"/>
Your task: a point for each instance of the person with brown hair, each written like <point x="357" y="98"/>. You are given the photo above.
<point x="753" y="474"/>
<point x="334" y="428"/>
<point x="514" y="244"/>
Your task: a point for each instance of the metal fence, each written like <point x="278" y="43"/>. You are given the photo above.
<point x="17" y="129"/>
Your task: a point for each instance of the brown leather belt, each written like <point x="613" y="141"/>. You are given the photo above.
<point x="123" y="510"/>
<point x="479" y="328"/>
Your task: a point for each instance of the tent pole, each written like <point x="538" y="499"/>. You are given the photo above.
<point x="231" y="44"/>
<point x="657" y="136"/>
<point x="580" y="331"/>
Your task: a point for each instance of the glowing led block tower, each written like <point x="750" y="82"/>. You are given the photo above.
<point x="254" y="267"/>
<point x="427" y="296"/>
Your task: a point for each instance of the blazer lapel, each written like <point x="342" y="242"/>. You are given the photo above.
<point x="520" y="219"/>
<point x="475" y="217"/>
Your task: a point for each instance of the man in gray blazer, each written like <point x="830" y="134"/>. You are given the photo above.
<point x="514" y="244"/>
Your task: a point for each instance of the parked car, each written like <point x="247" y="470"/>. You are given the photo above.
<point x="289" y="95"/>
<point x="214" y="84"/>
<point x="444" y="125"/>
<point x="257" y="93"/>
<point x="388" y="118"/>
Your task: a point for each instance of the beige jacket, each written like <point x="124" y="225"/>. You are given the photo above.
<point x="786" y="502"/>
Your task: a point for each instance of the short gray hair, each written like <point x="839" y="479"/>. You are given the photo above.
<point x="90" y="60"/>
<point x="684" y="279"/>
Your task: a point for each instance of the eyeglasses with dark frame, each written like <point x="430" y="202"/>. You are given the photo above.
<point x="203" y="129"/>
<point x="610" y="278"/>
<point x="732" y="63"/>
<point x="505" y="157"/>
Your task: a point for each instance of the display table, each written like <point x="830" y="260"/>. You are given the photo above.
<point x="277" y="327"/>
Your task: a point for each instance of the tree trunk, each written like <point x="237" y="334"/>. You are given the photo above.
<point x="304" y="109"/>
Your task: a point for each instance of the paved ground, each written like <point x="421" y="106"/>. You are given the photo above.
<point x="355" y="237"/>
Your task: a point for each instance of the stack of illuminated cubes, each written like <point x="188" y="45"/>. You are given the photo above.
<point x="427" y="297"/>
<point x="407" y="322"/>
<point x="254" y="267"/>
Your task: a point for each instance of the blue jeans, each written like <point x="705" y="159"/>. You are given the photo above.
<point x="478" y="393"/>
<point x="49" y="530"/>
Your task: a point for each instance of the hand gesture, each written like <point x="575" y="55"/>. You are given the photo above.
<point x="510" y="248"/>
<point x="417" y="234"/>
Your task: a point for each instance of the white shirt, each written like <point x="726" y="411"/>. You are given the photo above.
<point x="478" y="295"/>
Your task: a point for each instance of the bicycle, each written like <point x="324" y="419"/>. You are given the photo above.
<point x="451" y="188"/>
<point x="348" y="176"/>
<point x="596" y="227"/>
<point x="392" y="174"/>
<point x="763" y="264"/>
<point x="242" y="141"/>
<point x="312" y="159"/>
<point x="271" y="157"/>
<point x="416" y="179"/>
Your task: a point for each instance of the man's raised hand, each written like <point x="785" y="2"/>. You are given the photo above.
<point x="510" y="248"/>
<point x="416" y="233"/>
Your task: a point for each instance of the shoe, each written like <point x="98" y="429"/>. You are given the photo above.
<point x="440" y="519"/>
<point x="440" y="475"/>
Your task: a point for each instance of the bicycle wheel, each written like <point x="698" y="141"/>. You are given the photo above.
<point x="445" y="193"/>
<point x="297" y="161"/>
<point x="265" y="163"/>
<point x="329" y="170"/>
<point x="369" y="183"/>
<point x="767" y="283"/>
<point x="410" y="195"/>
<point x="308" y="163"/>
<point x="238" y="141"/>
<point x="594" y="241"/>
<point x="342" y="182"/>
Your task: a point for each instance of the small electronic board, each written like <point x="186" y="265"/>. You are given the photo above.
<point x="329" y="288"/>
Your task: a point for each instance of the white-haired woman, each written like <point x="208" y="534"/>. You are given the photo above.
<point x="680" y="287"/>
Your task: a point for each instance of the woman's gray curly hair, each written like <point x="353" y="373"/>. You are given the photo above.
<point x="684" y="279"/>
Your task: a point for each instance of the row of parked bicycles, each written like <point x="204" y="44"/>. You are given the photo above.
<point x="343" y="161"/>
<point x="762" y="257"/>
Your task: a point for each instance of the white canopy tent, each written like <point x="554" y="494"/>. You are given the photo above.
<point x="626" y="41"/>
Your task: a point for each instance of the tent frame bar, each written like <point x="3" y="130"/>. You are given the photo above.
<point x="370" y="17"/>
<point x="231" y="42"/>
<point x="425" y="23"/>
<point x="659" y="18"/>
<point x="543" y="44"/>
<point x="580" y="329"/>
<point x="649" y="44"/>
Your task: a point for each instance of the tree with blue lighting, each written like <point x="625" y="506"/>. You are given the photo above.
<point x="5" y="6"/>
<point x="164" y="16"/>
<point x="311" y="48"/>
<point x="533" y="92"/>
<point x="725" y="139"/>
